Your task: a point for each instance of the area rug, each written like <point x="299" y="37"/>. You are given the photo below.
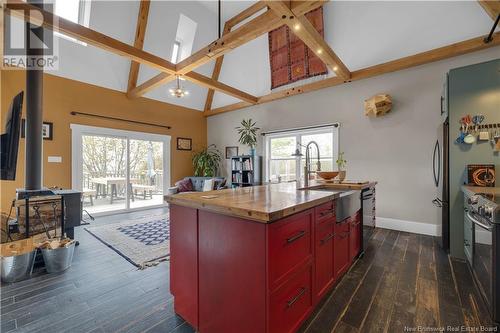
<point x="144" y="242"/>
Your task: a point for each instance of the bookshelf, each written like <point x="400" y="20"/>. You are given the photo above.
<point x="246" y="170"/>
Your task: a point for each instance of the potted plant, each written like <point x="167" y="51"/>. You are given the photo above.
<point x="341" y="163"/>
<point x="248" y="134"/>
<point x="206" y="162"/>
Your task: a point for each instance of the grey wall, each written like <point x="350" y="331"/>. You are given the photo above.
<point x="472" y="90"/>
<point x="395" y="150"/>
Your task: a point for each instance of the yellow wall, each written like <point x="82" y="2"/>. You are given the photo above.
<point x="61" y="96"/>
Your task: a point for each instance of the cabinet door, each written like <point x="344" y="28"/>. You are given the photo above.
<point x="341" y="248"/>
<point x="184" y="262"/>
<point x="324" y="259"/>
<point x="468" y="241"/>
<point x="354" y="237"/>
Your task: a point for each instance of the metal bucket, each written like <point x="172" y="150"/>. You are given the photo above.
<point x="18" y="267"/>
<point x="59" y="259"/>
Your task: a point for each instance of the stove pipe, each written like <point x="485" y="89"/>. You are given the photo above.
<point x="34" y="111"/>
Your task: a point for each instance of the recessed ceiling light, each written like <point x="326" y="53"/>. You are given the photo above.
<point x="297" y="26"/>
<point x="335" y="68"/>
<point x="319" y="51"/>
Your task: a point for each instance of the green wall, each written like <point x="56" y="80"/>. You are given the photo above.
<point x="472" y="90"/>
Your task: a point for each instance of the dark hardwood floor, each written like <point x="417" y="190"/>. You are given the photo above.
<point x="402" y="280"/>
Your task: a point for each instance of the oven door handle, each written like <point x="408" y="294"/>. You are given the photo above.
<point x="477" y="222"/>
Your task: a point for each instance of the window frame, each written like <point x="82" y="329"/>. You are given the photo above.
<point x="298" y="134"/>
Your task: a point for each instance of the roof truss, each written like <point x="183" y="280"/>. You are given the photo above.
<point x="445" y="52"/>
<point x="282" y="12"/>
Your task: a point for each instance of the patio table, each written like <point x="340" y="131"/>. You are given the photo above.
<point x="102" y="184"/>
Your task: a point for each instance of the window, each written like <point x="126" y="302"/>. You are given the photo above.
<point x="77" y="11"/>
<point x="184" y="39"/>
<point x="282" y="166"/>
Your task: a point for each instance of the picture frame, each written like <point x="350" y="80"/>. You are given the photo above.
<point x="47" y="130"/>
<point x="184" y="144"/>
<point x="231" y="151"/>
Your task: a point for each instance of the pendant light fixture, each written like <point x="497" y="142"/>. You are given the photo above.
<point x="178" y="91"/>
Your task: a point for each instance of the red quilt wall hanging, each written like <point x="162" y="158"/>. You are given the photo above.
<point x="291" y="60"/>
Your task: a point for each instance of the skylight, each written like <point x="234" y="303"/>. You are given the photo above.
<point x="68" y="9"/>
<point x="77" y="11"/>
<point x="184" y="39"/>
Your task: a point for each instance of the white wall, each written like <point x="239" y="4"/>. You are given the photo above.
<point x="395" y="150"/>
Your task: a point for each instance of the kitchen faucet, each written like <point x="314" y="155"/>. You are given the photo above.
<point x="307" y="166"/>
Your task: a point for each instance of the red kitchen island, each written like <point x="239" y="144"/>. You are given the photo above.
<point x="259" y="259"/>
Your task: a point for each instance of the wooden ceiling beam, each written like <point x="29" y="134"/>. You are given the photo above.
<point x="491" y="7"/>
<point x="245" y="33"/>
<point x="216" y="73"/>
<point x="260" y="25"/>
<point x="97" y="39"/>
<point x="305" y="31"/>
<point x="219" y="86"/>
<point x="140" y="32"/>
<point x="441" y="53"/>
<point x="245" y="14"/>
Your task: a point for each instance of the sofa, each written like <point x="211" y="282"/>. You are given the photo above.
<point x="198" y="182"/>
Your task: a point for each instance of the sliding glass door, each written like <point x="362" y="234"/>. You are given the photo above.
<point x="119" y="170"/>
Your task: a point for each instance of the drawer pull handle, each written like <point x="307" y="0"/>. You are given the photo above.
<point x="327" y="238"/>
<point x="326" y="212"/>
<point x="297" y="236"/>
<point x="296" y="297"/>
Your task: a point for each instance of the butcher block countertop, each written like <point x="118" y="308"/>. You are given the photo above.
<point x="266" y="203"/>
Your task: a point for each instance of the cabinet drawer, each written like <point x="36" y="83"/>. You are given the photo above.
<point x="290" y="244"/>
<point x="325" y="211"/>
<point x="291" y="303"/>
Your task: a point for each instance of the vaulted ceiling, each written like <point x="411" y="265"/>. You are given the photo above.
<point x="362" y="34"/>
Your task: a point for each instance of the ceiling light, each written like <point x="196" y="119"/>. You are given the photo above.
<point x="178" y="91"/>
<point x="297" y="26"/>
<point x="319" y="51"/>
<point x="335" y="68"/>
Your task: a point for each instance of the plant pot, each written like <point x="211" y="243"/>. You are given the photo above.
<point x="252" y="151"/>
<point x="341" y="175"/>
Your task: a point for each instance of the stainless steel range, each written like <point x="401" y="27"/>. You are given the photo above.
<point x="482" y="242"/>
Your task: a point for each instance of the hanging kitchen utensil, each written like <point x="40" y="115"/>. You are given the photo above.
<point x="484" y="135"/>
<point x="461" y="136"/>
<point x="469" y="138"/>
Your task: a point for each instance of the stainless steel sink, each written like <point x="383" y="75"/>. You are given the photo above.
<point x="347" y="204"/>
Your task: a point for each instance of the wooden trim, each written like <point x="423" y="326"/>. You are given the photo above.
<point x="304" y="30"/>
<point x="441" y="53"/>
<point x="491" y="7"/>
<point x="115" y="46"/>
<point x="140" y="32"/>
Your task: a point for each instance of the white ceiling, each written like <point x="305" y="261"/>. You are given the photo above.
<point x="362" y="33"/>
